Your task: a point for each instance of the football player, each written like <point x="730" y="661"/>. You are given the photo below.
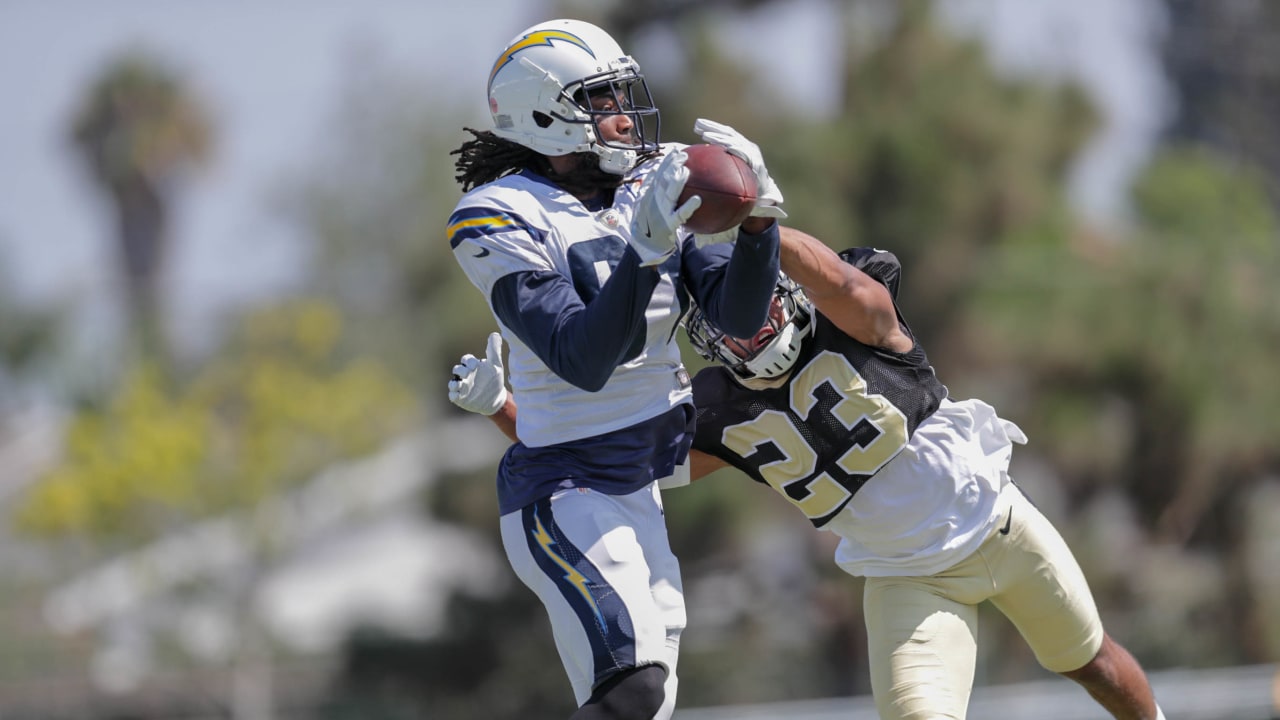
<point x="834" y="404"/>
<point x="569" y="228"/>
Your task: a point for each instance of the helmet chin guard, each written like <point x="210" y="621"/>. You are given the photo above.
<point x="779" y="354"/>
<point x="541" y="86"/>
<point x="772" y="359"/>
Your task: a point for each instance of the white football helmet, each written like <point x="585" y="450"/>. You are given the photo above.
<point x="770" y="360"/>
<point x="540" y="89"/>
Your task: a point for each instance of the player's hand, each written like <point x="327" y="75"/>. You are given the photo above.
<point x="653" y="228"/>
<point x="768" y="196"/>
<point x="480" y="386"/>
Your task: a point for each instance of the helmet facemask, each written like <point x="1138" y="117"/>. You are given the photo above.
<point x="606" y="96"/>
<point x="790" y="322"/>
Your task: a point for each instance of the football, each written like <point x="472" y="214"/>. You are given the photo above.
<point x="726" y="184"/>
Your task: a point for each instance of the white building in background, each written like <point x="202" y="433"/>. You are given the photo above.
<point x="351" y="549"/>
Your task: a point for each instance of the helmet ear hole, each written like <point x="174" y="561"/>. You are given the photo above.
<point x="542" y="119"/>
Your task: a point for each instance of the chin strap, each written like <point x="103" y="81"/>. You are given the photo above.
<point x="614" y="161"/>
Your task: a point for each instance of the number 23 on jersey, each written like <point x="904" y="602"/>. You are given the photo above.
<point x="796" y="474"/>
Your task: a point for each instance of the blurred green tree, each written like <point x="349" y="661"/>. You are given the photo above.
<point x="1149" y="363"/>
<point x="137" y="130"/>
<point x="281" y="403"/>
<point x="284" y="400"/>
<point x="1219" y="60"/>
<point x="27" y="333"/>
<point x="378" y="209"/>
<point x="1179" y="320"/>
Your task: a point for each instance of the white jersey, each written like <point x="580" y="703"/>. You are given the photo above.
<point x="524" y="223"/>
<point x="935" y="503"/>
<point x="605" y="403"/>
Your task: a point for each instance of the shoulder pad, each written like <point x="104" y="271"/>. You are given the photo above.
<point x="879" y="264"/>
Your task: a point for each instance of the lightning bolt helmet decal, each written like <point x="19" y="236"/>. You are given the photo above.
<point x="535" y="39"/>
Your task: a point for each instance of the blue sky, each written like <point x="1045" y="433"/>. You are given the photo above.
<point x="270" y="72"/>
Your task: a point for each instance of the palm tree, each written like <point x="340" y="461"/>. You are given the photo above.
<point x="137" y="130"/>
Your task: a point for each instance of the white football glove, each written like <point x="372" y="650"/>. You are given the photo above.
<point x="480" y="386"/>
<point x="653" y="228"/>
<point x="769" y="197"/>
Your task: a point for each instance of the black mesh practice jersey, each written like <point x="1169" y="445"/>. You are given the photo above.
<point x="845" y="411"/>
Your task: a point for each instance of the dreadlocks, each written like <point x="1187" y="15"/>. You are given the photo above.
<point x="487" y="157"/>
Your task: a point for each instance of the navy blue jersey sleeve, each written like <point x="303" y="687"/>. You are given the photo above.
<point x="733" y="282"/>
<point x="581" y="342"/>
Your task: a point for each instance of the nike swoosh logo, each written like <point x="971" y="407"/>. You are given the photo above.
<point x="483" y="252"/>
<point x="1007" y="523"/>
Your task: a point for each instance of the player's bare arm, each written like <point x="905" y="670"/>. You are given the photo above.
<point x="505" y="419"/>
<point x="702" y="464"/>
<point x="850" y="298"/>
